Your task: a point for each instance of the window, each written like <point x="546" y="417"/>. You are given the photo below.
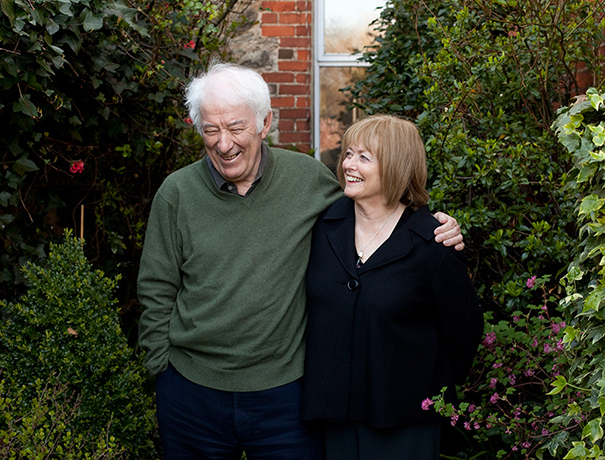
<point x="342" y="30"/>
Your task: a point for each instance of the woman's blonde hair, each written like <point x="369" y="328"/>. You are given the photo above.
<point x="397" y="145"/>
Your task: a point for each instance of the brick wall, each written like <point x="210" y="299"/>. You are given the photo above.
<point x="290" y="23"/>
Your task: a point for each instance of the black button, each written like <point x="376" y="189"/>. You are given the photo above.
<point x="353" y="284"/>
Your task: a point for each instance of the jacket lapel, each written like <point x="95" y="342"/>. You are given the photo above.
<point x="340" y="231"/>
<point x="400" y="243"/>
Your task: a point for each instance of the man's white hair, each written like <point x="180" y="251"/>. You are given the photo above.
<point x="236" y="84"/>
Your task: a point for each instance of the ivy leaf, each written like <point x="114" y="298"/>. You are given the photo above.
<point x="90" y="21"/>
<point x="593" y="430"/>
<point x="23" y="165"/>
<point x="559" y="384"/>
<point x="590" y="204"/>
<point x="7" y="8"/>
<point x="579" y="451"/>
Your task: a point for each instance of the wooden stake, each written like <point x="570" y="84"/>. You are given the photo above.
<point x="81" y="222"/>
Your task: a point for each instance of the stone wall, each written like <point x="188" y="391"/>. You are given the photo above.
<point x="279" y="47"/>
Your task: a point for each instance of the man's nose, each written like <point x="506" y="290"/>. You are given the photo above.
<point x="225" y="141"/>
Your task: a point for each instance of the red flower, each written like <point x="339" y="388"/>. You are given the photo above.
<point x="77" y="167"/>
<point x="191" y="45"/>
<point x="188" y="120"/>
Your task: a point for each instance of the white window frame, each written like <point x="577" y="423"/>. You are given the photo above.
<point x="322" y="59"/>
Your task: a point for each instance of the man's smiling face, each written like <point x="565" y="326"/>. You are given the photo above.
<point x="232" y="141"/>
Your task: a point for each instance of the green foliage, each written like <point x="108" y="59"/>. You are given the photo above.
<point x="65" y="330"/>
<point x="92" y="115"/>
<point x="580" y="128"/>
<point x="483" y="80"/>
<point x="40" y="429"/>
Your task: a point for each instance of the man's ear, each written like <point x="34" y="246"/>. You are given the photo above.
<point x="267" y="124"/>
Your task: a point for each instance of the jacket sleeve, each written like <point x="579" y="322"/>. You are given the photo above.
<point x="459" y="314"/>
<point x="158" y="283"/>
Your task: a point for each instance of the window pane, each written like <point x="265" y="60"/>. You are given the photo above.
<point x="335" y="114"/>
<point x="347" y="24"/>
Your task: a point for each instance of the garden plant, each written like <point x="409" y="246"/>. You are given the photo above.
<point x="484" y="80"/>
<point x="92" y="116"/>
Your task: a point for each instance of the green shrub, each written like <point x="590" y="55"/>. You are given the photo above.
<point x="92" y="115"/>
<point x="483" y="85"/>
<point x="66" y="330"/>
<point x="40" y="428"/>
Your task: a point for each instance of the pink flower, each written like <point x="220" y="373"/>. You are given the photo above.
<point x="529" y="372"/>
<point x="516" y="319"/>
<point x="77" y="167"/>
<point x="488" y="341"/>
<point x="531" y="282"/>
<point x="467" y="426"/>
<point x="494" y="398"/>
<point x="527" y="444"/>
<point x="497" y="365"/>
<point x="545" y="431"/>
<point x="493" y="382"/>
<point x="472" y="408"/>
<point x="188" y="120"/>
<point x="476" y="426"/>
<point x="512" y="378"/>
<point x="515" y="448"/>
<point x="426" y="404"/>
<point x="548" y="348"/>
<point x="454" y="419"/>
<point x="556" y="327"/>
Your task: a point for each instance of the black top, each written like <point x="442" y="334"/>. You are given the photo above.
<point x="382" y="338"/>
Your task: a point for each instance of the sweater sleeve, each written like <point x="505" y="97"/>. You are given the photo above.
<point x="159" y="281"/>
<point x="328" y="189"/>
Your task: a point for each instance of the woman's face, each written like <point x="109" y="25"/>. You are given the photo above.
<point x="362" y="174"/>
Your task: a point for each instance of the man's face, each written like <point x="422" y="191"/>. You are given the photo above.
<point x="232" y="143"/>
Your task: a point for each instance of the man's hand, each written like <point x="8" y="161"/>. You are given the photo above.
<point x="448" y="232"/>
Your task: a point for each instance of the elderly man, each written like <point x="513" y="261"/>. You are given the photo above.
<point x="222" y="281"/>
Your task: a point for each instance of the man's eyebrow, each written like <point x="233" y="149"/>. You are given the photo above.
<point x="230" y="125"/>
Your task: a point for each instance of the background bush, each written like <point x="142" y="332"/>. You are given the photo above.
<point x="483" y="80"/>
<point x="92" y="115"/>
<point x="65" y="334"/>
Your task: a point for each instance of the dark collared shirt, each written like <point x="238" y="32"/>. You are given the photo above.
<point x="228" y="186"/>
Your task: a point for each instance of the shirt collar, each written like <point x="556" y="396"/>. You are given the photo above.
<point x="228" y="186"/>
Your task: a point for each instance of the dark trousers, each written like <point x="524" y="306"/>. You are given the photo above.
<point x="357" y="441"/>
<point x="200" y="423"/>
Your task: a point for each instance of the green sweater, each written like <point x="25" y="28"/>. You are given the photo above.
<point x="222" y="277"/>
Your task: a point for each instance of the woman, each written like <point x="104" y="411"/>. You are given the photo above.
<point x="392" y="315"/>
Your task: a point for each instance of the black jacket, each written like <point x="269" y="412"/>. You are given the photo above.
<point x="382" y="338"/>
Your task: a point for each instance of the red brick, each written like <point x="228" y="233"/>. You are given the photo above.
<point x="279" y="77"/>
<point x="304" y="78"/>
<point x="279" y="6"/>
<point x="303" y="102"/>
<point x="302" y="126"/>
<point x="303" y="55"/>
<point x="304" y="6"/>
<point x="291" y="18"/>
<point x="294" y="113"/>
<point x="286" y="125"/>
<point x="303" y="31"/>
<point x="293" y="137"/>
<point x="278" y="31"/>
<point x="288" y="102"/>
<point x="293" y="66"/>
<point x="295" y="42"/>
<point x="293" y="89"/>
<point x="269" y="18"/>
<point x="584" y="78"/>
